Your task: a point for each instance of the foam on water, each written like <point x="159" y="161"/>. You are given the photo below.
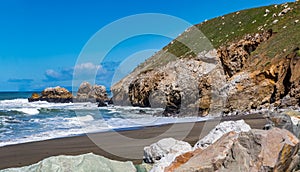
<point x="21" y="121"/>
<point x="29" y="111"/>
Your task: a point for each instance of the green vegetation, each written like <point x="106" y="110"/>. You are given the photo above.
<point x="234" y="26"/>
<point x="298" y="52"/>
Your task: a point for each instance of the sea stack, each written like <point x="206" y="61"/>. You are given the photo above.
<point x="54" y="95"/>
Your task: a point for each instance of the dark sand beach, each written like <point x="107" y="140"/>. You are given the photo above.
<point x="131" y="149"/>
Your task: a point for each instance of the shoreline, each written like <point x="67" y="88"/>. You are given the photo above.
<point x="29" y="153"/>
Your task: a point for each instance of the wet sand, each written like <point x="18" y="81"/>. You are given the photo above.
<point x="121" y="145"/>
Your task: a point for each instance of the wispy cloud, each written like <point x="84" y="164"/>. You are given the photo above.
<point x="66" y="74"/>
<point x="20" y="80"/>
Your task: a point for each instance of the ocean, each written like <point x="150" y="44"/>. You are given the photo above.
<point x="21" y="121"/>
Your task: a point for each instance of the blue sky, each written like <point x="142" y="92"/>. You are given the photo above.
<point x="41" y="40"/>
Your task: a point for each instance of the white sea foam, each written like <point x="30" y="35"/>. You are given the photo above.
<point x="29" y="111"/>
<point x="63" y="123"/>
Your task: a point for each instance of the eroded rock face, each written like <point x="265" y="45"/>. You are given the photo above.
<point x="175" y="86"/>
<point x="55" y="95"/>
<point x="234" y="56"/>
<point x="256" y="150"/>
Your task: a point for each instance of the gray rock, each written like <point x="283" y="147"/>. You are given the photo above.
<point x="220" y="130"/>
<point x="157" y="151"/>
<point x="81" y="163"/>
<point x="280" y="120"/>
<point x="163" y="153"/>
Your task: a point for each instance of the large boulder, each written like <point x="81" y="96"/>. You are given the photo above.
<point x="256" y="150"/>
<point x="164" y="152"/>
<point x="53" y="94"/>
<point x="86" y="162"/>
<point x="88" y="93"/>
<point x="220" y="130"/>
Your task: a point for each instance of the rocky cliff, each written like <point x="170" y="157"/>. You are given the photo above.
<point x="252" y="63"/>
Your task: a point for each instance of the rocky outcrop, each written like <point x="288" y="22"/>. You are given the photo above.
<point x="85" y="162"/>
<point x="55" y="95"/>
<point x="256" y="150"/>
<point x="235" y="55"/>
<point x="214" y="82"/>
<point x="88" y="93"/>
<point x="175" y="86"/>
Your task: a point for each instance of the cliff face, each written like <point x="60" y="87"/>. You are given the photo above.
<point x="254" y="67"/>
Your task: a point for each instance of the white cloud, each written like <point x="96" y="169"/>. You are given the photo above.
<point x="52" y="73"/>
<point x="85" y="70"/>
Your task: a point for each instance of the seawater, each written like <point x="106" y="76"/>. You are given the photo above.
<point x="22" y="121"/>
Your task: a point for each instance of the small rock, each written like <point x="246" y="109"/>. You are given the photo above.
<point x="296" y="21"/>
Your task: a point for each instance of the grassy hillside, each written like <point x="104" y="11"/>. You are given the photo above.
<point x="234" y="26"/>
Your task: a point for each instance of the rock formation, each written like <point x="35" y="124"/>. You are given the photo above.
<point x="256" y="150"/>
<point x="252" y="64"/>
<point x="85" y="162"/>
<point x="88" y="93"/>
<point x="174" y="87"/>
<point x="55" y="95"/>
<point x="230" y="82"/>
